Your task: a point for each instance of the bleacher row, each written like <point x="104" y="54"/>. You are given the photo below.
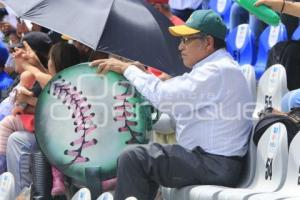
<point x="241" y="41"/>
<point x="241" y="45"/>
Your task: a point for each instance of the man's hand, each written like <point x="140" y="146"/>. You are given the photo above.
<point x="164" y="76"/>
<point x="111" y="64"/>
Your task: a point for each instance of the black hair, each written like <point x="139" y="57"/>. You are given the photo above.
<point x="3" y="13"/>
<point x="218" y="43"/>
<point x="64" y="55"/>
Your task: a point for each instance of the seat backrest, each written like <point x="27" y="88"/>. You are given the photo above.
<point x="269" y="37"/>
<point x="292" y="198"/>
<point x="106" y="196"/>
<point x="249" y="73"/>
<point x="223" y="8"/>
<point x="271" y="88"/>
<point x="272" y="154"/>
<point x="296" y="34"/>
<point x="240" y="44"/>
<point x="7" y="186"/>
<point x="82" y="194"/>
<point x="293" y="172"/>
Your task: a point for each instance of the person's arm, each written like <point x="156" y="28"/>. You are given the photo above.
<point x="292" y="8"/>
<point x="26" y="96"/>
<point x="27" y="57"/>
<point x="174" y="95"/>
<point x="31" y="58"/>
<point x="29" y="109"/>
<point x="164" y="76"/>
<point x="287" y="7"/>
<point x="32" y="101"/>
<point x="41" y="77"/>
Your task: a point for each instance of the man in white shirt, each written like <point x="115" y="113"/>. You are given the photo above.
<point x="211" y="108"/>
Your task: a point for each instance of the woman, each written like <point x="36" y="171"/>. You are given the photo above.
<point x="20" y="144"/>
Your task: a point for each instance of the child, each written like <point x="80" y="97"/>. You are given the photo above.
<point x="27" y="80"/>
<point x="14" y="123"/>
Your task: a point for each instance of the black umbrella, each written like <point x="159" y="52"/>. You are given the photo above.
<point x="128" y="28"/>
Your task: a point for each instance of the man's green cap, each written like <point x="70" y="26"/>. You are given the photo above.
<point x="205" y="21"/>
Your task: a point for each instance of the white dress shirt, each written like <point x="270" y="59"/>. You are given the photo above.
<point x="209" y="104"/>
<point x="185" y="4"/>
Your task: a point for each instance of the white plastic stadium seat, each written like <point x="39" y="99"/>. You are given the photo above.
<point x="291" y="187"/>
<point x="165" y="124"/>
<point x="106" y="196"/>
<point x="272" y="154"/>
<point x="7" y="186"/>
<point x="272" y="86"/>
<point x="82" y="194"/>
<point x="249" y="73"/>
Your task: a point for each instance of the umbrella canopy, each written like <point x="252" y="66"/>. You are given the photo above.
<point x="129" y="28"/>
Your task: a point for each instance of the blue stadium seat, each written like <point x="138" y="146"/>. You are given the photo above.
<point x="223" y="8"/>
<point x="296" y="34"/>
<point x="240" y="44"/>
<point x="3" y="54"/>
<point x="269" y="37"/>
<point x="5" y="81"/>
